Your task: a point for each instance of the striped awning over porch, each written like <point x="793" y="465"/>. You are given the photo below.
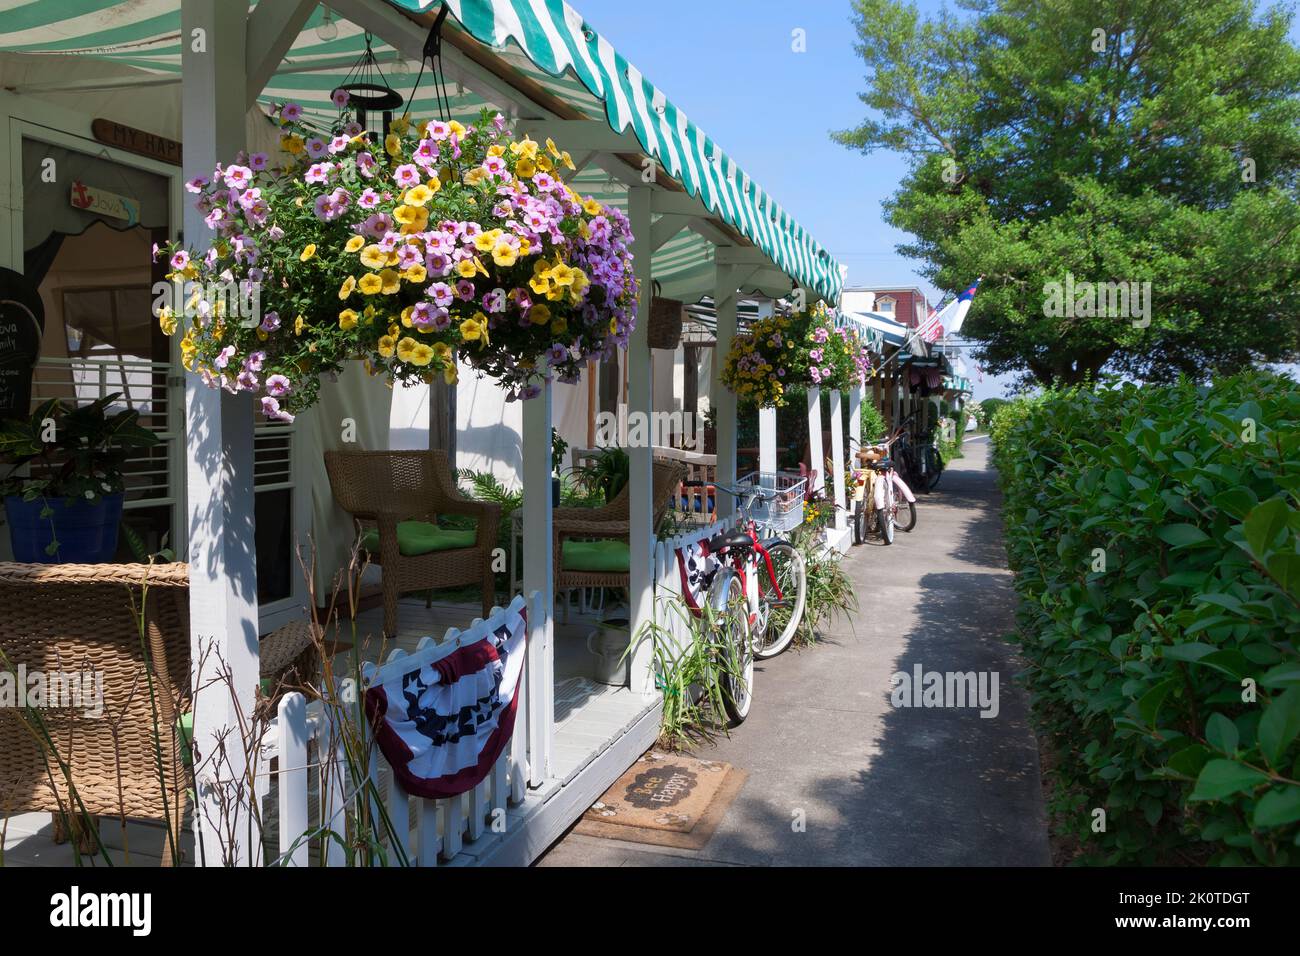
<point x="545" y="41"/>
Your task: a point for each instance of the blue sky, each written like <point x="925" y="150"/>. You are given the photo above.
<point x="730" y="66"/>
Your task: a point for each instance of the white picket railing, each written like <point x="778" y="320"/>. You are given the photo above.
<point x="668" y="580"/>
<point x="311" y="762"/>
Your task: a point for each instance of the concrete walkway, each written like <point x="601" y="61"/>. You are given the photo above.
<point x="875" y="784"/>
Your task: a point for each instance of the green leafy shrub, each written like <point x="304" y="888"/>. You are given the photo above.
<point x="1155" y="539"/>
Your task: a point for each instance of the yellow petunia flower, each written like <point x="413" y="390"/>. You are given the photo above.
<point x="539" y="314"/>
<point x="417" y="195"/>
<point x="435" y="185"/>
<point x="299" y="323"/>
<point x="457" y="128"/>
<point x="416" y="273"/>
<point x="346" y="288"/>
<point x="525" y="169"/>
<point x="393" y="145"/>
<point x="405" y="348"/>
<point x="372" y="257"/>
<point x="592" y="208"/>
<point x="443" y="351"/>
<point x="504" y="255"/>
<point x="348" y="320"/>
<point x="405" y="214"/>
<point x="166" y="320"/>
<point x="466" y="269"/>
<point x="406" y="316"/>
<point x="475" y="176"/>
<point x="308" y="251"/>
<point x="450" y="375"/>
<point x="392" y="281"/>
<point x="355" y="243"/>
<point x="552" y="148"/>
<point x="387" y="346"/>
<point x="399" y="125"/>
<point x="475" y="329"/>
<point x="422" y="354"/>
<point x="496" y="149"/>
<point x="567" y="160"/>
<point x="545" y="165"/>
<point x="484" y="241"/>
<point x="370" y="284"/>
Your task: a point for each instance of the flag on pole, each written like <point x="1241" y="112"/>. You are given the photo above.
<point x="963" y="302"/>
<point x="931" y="330"/>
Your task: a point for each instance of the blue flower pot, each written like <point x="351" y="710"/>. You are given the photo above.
<point x="86" y="530"/>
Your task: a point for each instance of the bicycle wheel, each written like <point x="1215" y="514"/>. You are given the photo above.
<point x="936" y="467"/>
<point x="904" y="514"/>
<point x="860" y="510"/>
<point x="737" y="652"/>
<point x="784" y="616"/>
<point x="886" y="518"/>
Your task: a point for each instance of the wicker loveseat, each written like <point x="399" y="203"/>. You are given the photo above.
<point x="78" y="619"/>
<point x="387" y="493"/>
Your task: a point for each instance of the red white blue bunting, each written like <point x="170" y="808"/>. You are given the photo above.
<point x="443" y="715"/>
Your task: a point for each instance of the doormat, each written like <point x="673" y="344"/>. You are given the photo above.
<point x="665" y="800"/>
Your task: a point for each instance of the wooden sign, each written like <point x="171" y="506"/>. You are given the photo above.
<point x="22" y="325"/>
<point x="101" y="202"/>
<point x="136" y="141"/>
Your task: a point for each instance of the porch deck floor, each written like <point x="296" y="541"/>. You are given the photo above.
<point x="590" y="717"/>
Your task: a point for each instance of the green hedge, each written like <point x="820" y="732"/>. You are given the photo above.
<point x="1155" y="540"/>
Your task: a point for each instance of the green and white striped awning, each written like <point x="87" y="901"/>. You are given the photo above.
<point x="545" y="41"/>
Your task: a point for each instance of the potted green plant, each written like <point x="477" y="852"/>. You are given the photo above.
<point x="67" y="505"/>
<point x="608" y="472"/>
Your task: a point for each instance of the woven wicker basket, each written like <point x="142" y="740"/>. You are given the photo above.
<point x="665" y="329"/>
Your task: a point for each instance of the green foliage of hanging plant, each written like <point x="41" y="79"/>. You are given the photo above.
<point x="1154" y="534"/>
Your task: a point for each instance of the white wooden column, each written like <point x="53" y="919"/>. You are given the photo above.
<point x="639" y="405"/>
<point x="539" y="576"/>
<point x="219" y="456"/>
<point x="816" y="454"/>
<point x="855" y="418"/>
<point x="724" y="400"/>
<point x="766" y="416"/>
<point x="837" y="458"/>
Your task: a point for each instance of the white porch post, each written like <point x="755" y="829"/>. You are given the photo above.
<point x="219" y="459"/>
<point x="816" y="455"/>
<point x="837" y="459"/>
<point x="724" y="400"/>
<point x="641" y="536"/>
<point x="766" y="416"/>
<point x="855" y="417"/>
<point x="539" y="576"/>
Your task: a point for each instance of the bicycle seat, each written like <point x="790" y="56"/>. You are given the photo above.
<point x="730" y="539"/>
<point x="883" y="464"/>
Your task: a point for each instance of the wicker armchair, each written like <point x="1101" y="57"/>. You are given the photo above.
<point x="382" y="488"/>
<point x="78" y="618"/>
<point x="610" y="521"/>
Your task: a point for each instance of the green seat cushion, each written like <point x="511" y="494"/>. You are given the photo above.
<point x="607" y="556"/>
<point x="422" y="537"/>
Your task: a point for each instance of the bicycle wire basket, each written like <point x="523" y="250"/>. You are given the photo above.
<point x="779" y="505"/>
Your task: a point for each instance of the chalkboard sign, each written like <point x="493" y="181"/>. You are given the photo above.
<point x="22" y="325"/>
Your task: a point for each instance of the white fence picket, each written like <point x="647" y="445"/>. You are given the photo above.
<point x="292" y="763"/>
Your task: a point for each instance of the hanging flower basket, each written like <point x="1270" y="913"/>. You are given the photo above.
<point x="665" y="328"/>
<point x="783" y="353"/>
<point x="444" y="241"/>
<point x="838" y="358"/>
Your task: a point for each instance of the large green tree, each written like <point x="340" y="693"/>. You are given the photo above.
<point x="1114" y="140"/>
